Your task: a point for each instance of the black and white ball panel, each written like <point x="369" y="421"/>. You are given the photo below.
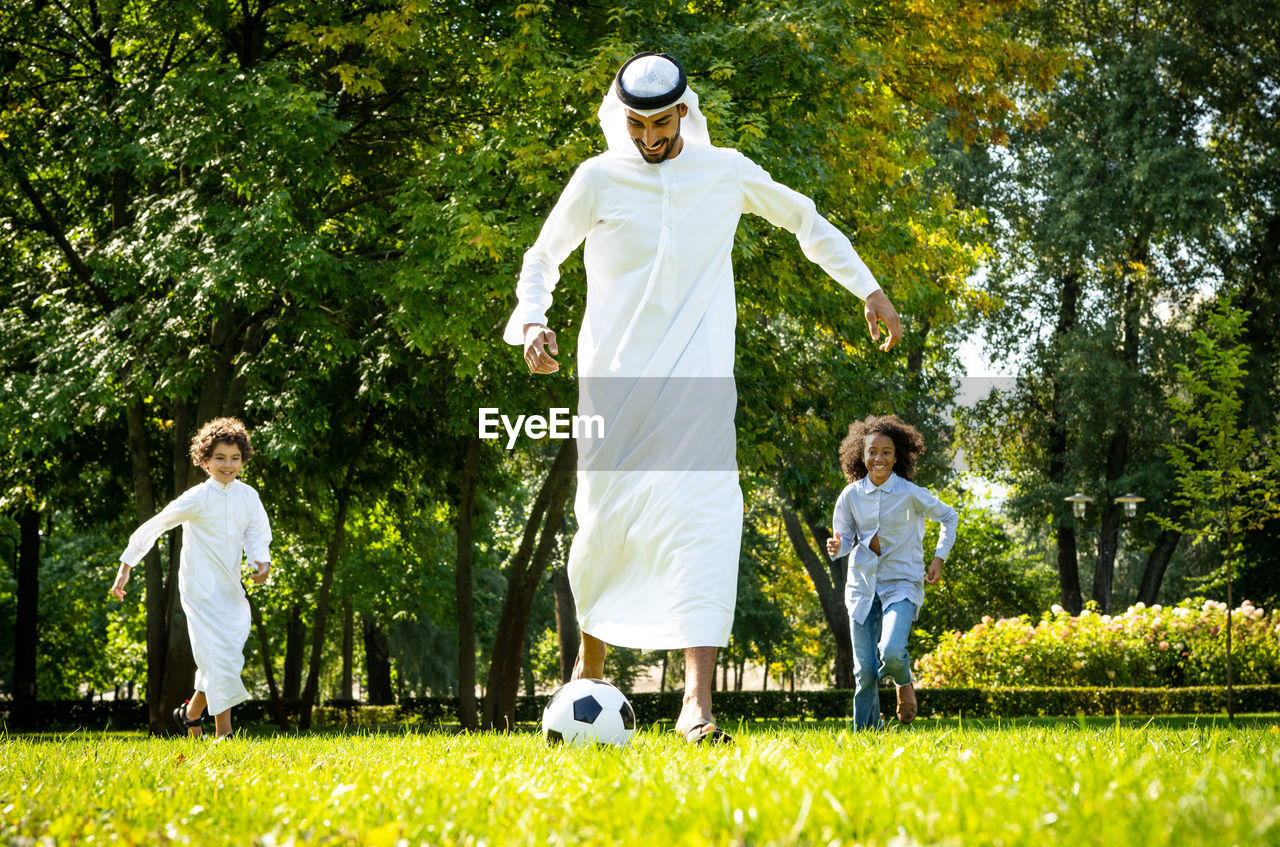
<point x="586" y="711"/>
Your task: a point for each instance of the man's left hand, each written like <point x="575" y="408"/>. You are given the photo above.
<point x="264" y="569"/>
<point x="879" y="310"/>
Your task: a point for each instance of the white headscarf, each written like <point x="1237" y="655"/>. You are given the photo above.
<point x="649" y="75"/>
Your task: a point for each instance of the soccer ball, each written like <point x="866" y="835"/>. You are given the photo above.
<point x="588" y="711"/>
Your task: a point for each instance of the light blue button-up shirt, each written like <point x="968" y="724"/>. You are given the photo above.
<point x="896" y="511"/>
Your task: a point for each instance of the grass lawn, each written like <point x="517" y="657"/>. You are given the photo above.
<point x="1041" y="782"/>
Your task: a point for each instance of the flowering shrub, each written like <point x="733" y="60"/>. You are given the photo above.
<point x="1144" y="647"/>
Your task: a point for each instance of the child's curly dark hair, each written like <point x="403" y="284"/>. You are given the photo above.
<point x="220" y="431"/>
<point x="908" y="444"/>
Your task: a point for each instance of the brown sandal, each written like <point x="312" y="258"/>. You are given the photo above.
<point x="907" y="706"/>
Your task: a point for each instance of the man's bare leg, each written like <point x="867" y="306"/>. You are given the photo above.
<point x="699" y="670"/>
<point x="222" y="723"/>
<point x="590" y="664"/>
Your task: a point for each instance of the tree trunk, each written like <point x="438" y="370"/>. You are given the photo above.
<point x="1069" y="570"/>
<point x="1157" y="563"/>
<point x="158" y="721"/>
<point x="469" y="478"/>
<point x="184" y="472"/>
<point x="1227" y="525"/>
<point x="334" y="551"/>
<point x="346" y="690"/>
<point x="268" y="667"/>
<point x="1118" y="449"/>
<point x="179" y="664"/>
<point x="567" y="623"/>
<point x="1105" y="565"/>
<point x="828" y="582"/>
<point x="1110" y="526"/>
<point x="213" y="387"/>
<point x="1068" y="561"/>
<point x="27" y="626"/>
<point x="523" y="576"/>
<point x="295" y="634"/>
<point x="377" y="663"/>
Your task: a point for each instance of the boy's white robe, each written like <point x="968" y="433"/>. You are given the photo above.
<point x="654" y="562"/>
<point x="219" y="523"/>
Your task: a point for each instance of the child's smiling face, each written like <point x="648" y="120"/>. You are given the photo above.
<point x="878" y="454"/>
<point x="225" y="463"/>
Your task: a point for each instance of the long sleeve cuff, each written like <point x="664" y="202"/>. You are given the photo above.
<point x="132" y="555"/>
<point x="523" y="314"/>
<point x="830" y="249"/>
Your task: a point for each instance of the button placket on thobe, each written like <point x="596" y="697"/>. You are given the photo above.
<point x="230" y="547"/>
<point x="662" y="268"/>
<point x="666" y="257"/>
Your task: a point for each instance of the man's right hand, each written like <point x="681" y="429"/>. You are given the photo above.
<point x="538" y="339"/>
<point x="122" y="579"/>
<point x="879" y="310"/>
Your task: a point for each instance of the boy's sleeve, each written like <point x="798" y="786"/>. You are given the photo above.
<point x="945" y="515"/>
<point x="842" y="521"/>
<point x="257" y="538"/>
<point x="183" y="508"/>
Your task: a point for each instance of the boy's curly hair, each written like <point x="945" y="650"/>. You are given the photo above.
<point x="908" y="444"/>
<point x="220" y="431"/>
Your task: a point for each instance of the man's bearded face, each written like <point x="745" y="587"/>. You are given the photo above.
<point x="657" y="137"/>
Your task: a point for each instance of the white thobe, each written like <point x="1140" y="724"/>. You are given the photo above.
<point x="654" y="562"/>
<point x="221" y="523"/>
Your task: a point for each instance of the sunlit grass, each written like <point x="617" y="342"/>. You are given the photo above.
<point x="1030" y="782"/>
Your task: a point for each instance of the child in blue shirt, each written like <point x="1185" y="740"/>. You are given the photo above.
<point x="879" y="517"/>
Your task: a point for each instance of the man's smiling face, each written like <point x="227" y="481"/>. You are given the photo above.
<point x="657" y="137"/>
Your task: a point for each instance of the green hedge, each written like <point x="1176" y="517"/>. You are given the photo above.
<point x="731" y="706"/>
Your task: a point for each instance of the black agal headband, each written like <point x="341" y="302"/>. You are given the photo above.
<point x="653" y="101"/>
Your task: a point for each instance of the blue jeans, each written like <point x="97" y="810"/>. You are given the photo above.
<point x="879" y="649"/>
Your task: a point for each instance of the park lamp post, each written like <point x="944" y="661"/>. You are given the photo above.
<point x="1078" y="503"/>
<point x="1130" y="502"/>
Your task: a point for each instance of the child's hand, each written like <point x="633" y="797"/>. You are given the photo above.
<point x="122" y="577"/>
<point x="934" y="575"/>
<point x="833" y="545"/>
<point x="264" y="568"/>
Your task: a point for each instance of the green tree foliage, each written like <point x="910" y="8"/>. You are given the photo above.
<point x="1109" y="222"/>
<point x="312" y="215"/>
<point x="1227" y="473"/>
<point x="986" y="575"/>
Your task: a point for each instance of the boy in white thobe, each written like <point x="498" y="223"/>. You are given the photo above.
<point x="222" y="521"/>
<point x="654" y="562"/>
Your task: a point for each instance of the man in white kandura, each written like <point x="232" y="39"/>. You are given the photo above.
<point x="654" y="562"/>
